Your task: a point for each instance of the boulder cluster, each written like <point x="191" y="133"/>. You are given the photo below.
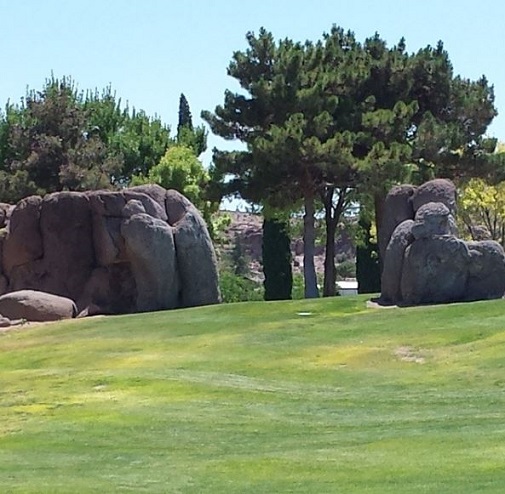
<point x="424" y="261"/>
<point x="140" y="249"/>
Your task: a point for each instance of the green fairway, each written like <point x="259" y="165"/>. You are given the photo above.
<point x="321" y="396"/>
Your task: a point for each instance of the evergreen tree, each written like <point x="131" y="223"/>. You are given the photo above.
<point x="421" y="120"/>
<point x="137" y="139"/>
<point x="368" y="271"/>
<point x="187" y="135"/>
<point x="276" y="251"/>
<point x="294" y="149"/>
<point x="185" y="118"/>
<point x="51" y="146"/>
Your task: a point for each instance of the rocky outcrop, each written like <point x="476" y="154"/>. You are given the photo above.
<point x="393" y="261"/>
<point x="425" y="262"/>
<point x="397" y="208"/>
<point x="136" y="250"/>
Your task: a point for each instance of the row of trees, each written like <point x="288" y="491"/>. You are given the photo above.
<point x="326" y="125"/>
<point x="62" y="139"/>
<point x="338" y="121"/>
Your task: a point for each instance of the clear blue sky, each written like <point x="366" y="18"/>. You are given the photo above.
<point x="152" y="50"/>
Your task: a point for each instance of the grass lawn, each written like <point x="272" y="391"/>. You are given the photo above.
<point x="321" y="396"/>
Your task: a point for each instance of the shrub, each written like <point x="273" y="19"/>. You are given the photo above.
<point x="235" y="288"/>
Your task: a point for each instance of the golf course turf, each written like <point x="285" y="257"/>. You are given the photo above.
<point x="310" y="396"/>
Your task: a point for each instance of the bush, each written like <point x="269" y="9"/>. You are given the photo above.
<point x="298" y="291"/>
<point x="346" y="269"/>
<point x="235" y="288"/>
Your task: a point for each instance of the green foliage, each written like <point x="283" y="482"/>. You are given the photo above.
<point x="346" y="269"/>
<point x="320" y="120"/>
<point x="187" y="134"/>
<point x="51" y="146"/>
<point x="238" y="288"/>
<point x="141" y="141"/>
<point x="181" y="170"/>
<point x="220" y="223"/>
<point x="185" y="118"/>
<point x="287" y="119"/>
<point x="368" y="271"/>
<point x="482" y="204"/>
<point x="298" y="289"/>
<point x="62" y="139"/>
<point x="276" y="252"/>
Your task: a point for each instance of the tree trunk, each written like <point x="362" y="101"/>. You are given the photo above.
<point x="332" y="217"/>
<point x="330" y="271"/>
<point x="309" y="239"/>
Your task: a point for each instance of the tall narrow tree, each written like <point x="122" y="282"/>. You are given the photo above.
<point x="188" y="135"/>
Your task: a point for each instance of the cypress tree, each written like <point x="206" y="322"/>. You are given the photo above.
<point x="368" y="271"/>
<point x="276" y="251"/>
<point x="185" y="119"/>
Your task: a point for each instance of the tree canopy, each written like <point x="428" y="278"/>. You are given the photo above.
<point x="323" y="119"/>
<point x="62" y="139"/>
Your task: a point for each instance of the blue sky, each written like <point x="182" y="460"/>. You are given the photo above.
<point x="152" y="50"/>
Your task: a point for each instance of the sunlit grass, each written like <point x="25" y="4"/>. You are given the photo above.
<point x="302" y="396"/>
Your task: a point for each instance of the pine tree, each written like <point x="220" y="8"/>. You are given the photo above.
<point x="293" y="147"/>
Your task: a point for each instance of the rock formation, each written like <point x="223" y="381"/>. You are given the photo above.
<point x="140" y="249"/>
<point x="424" y="261"/>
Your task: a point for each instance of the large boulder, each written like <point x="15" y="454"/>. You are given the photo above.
<point x="196" y="258"/>
<point x="432" y="218"/>
<point x="108" y="203"/>
<point x="435" y="270"/>
<point x="425" y="262"/>
<point x="397" y="208"/>
<point x="437" y="190"/>
<point x="154" y="191"/>
<point x="36" y="306"/>
<point x="486" y="271"/>
<point x="111" y="252"/>
<point x="69" y="257"/>
<point x="151" y="251"/>
<point x="23" y="243"/>
<point x="393" y="262"/>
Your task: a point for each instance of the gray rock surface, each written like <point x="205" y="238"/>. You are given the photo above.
<point x="487" y="271"/>
<point x="196" y="260"/>
<point x="66" y="227"/>
<point x="36" y="306"/>
<point x="437" y="190"/>
<point x="435" y="270"/>
<point x="397" y="208"/>
<point x="111" y="252"/>
<point x="23" y="242"/>
<point x="432" y="218"/>
<point x="425" y="262"/>
<point x="393" y="262"/>
<point x="151" y="251"/>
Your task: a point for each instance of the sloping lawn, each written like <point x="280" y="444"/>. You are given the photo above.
<point x="321" y="396"/>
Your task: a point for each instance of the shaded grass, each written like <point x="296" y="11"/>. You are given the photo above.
<point x="255" y="397"/>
